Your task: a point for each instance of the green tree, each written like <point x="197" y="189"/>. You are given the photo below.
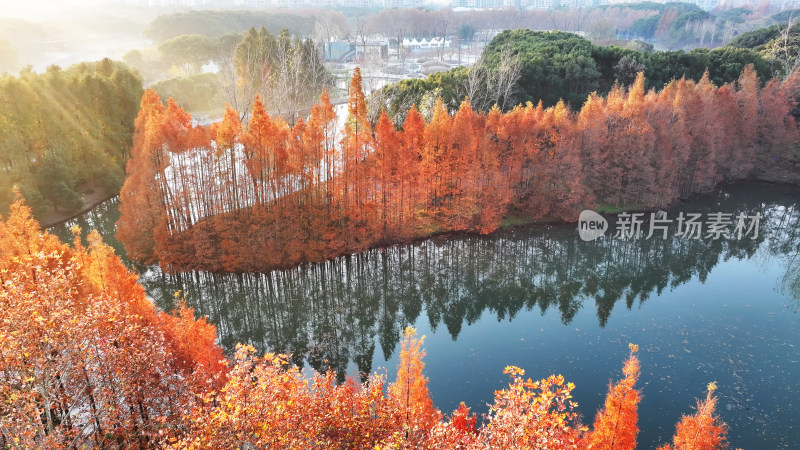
<point x="66" y="131"/>
<point x="190" y="51"/>
<point x="56" y="179"/>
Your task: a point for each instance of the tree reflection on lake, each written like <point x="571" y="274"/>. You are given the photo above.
<point x="340" y="313"/>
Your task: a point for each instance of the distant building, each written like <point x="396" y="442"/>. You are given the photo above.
<point x="358" y="3"/>
<point x="478" y="4"/>
<point x="400" y="3"/>
<point x="435" y="42"/>
<point x="338" y="50"/>
<point x="371" y="49"/>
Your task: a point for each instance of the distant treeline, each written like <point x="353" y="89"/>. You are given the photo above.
<point x="217" y="23"/>
<point x="552" y="66"/>
<point x="759" y="38"/>
<point x="65" y="130"/>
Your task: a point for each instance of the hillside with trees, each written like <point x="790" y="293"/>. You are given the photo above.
<point x="779" y="44"/>
<point x="212" y="24"/>
<point x="522" y="65"/>
<point x="66" y="133"/>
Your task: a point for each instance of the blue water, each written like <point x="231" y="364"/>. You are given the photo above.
<point x="540" y="298"/>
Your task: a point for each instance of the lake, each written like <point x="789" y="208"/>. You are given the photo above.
<point x="541" y="298"/>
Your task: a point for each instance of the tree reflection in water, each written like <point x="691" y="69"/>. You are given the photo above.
<point x="331" y="314"/>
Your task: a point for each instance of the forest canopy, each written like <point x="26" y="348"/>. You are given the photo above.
<point x="556" y="65"/>
<point x="66" y="131"/>
<point x="217" y="23"/>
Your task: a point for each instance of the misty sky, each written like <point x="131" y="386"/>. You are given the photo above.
<point x="41" y="9"/>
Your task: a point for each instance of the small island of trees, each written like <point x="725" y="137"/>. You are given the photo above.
<point x="235" y="198"/>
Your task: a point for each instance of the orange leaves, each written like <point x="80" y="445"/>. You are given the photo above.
<point x="228" y="132"/>
<point x="264" y="403"/>
<point x="176" y="128"/>
<point x="615" y="426"/>
<point x="463" y="421"/>
<point x="146" y="130"/>
<point x="270" y="404"/>
<point x="356" y="104"/>
<point x="532" y="414"/>
<point x="78" y="334"/>
<point x="702" y="430"/>
<point x="193" y="343"/>
<point x="323" y="188"/>
<point x="409" y="393"/>
<point x="460" y="432"/>
<point x="140" y="196"/>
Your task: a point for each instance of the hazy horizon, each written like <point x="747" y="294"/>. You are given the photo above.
<point x="47" y="10"/>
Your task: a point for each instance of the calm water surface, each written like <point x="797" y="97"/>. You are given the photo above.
<point x="540" y="298"/>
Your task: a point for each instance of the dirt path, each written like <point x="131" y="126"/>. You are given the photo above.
<point x="52" y="217"/>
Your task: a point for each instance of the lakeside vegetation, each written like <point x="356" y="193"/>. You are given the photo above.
<point x="66" y="132"/>
<point x="522" y="65"/>
<point x="303" y="195"/>
<point x="89" y="361"/>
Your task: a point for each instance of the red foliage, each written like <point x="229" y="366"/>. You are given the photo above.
<point x="312" y="192"/>
<point x="615" y="426"/>
<point x="86" y="359"/>
<point x="702" y="430"/>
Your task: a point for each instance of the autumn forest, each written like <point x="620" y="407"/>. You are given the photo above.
<point x="244" y="199"/>
<point x="80" y="335"/>
<point x="265" y="254"/>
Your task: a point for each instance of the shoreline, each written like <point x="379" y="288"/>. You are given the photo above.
<point x="66" y="216"/>
<point x="519" y="223"/>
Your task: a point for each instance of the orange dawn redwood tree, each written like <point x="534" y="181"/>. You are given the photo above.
<point x="409" y="393"/>
<point x="615" y="426"/>
<point x="139" y="197"/>
<point x="702" y="430"/>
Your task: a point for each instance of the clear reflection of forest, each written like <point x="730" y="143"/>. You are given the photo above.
<point x="334" y="313"/>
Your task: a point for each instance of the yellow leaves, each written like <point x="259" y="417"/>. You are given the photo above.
<point x="712" y="386"/>
<point x="634" y="348"/>
<point x="514" y="371"/>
